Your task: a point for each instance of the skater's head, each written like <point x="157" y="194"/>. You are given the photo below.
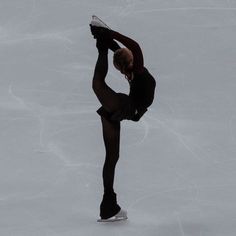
<point x="123" y="60"/>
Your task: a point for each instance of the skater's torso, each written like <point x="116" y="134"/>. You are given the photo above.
<point x="142" y="89"/>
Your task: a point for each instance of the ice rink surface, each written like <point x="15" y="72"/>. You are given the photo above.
<point x="177" y="170"/>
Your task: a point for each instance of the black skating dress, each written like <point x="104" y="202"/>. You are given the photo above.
<point x="142" y="86"/>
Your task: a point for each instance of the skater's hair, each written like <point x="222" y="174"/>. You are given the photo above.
<point x="122" y="59"/>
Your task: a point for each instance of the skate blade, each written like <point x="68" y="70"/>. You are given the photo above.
<point x="113" y="219"/>
<point x="98" y="22"/>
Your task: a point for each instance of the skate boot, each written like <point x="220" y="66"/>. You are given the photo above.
<point x="99" y="29"/>
<point x="109" y="209"/>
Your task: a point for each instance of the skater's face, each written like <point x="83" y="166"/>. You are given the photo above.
<point x="123" y="61"/>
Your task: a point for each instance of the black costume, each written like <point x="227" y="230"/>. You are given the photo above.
<point x="118" y="106"/>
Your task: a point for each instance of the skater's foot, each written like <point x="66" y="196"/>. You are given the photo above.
<point x="100" y="30"/>
<point x="121" y="215"/>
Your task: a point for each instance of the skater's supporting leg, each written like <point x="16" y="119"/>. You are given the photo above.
<point x="111" y="137"/>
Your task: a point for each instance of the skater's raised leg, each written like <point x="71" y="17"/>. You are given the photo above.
<point x="107" y="97"/>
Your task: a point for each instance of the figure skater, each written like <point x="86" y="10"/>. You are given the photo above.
<point x="118" y="106"/>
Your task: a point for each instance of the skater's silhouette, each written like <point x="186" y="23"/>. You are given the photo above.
<point x="118" y="106"/>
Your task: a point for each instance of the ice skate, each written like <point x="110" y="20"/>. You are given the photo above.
<point x="98" y="22"/>
<point x="121" y="215"/>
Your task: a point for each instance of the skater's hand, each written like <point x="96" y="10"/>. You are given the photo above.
<point x="102" y="45"/>
<point x="95" y="31"/>
<point x="103" y="37"/>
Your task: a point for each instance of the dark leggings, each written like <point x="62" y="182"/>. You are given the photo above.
<point x="111" y="132"/>
<point x="111" y="136"/>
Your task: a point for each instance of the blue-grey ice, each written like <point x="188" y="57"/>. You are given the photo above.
<point x="182" y="181"/>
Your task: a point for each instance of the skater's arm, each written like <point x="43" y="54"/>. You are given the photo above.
<point x="114" y="46"/>
<point x="133" y="46"/>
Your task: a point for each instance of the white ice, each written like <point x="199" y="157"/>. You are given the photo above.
<point x="177" y="170"/>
